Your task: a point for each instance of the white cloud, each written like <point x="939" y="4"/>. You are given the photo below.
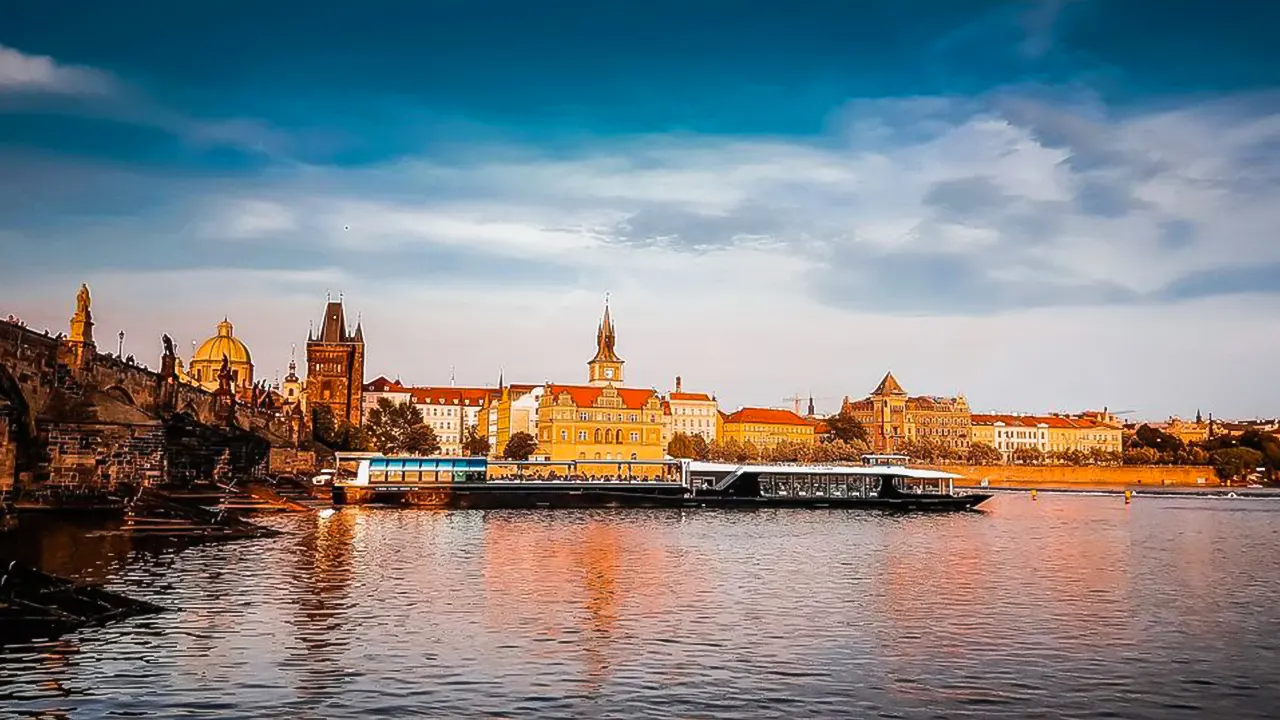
<point x="756" y="268"/>
<point x="21" y="72"/>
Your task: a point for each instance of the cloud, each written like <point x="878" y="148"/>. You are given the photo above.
<point x="24" y="73"/>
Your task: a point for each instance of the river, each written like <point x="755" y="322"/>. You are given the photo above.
<point x="1060" y="606"/>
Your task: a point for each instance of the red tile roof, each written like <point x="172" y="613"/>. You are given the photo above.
<point x="766" y="416"/>
<point x="700" y="397"/>
<point x="586" y="395"/>
<point x="1053" y="421"/>
<point x="382" y="384"/>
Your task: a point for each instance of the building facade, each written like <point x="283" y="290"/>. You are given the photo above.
<point x="601" y="420"/>
<point x="690" y="413"/>
<point x="1010" y="433"/>
<point x="335" y="366"/>
<point x="893" y="418"/>
<point x="766" y="427"/>
<point x="511" y="409"/>
<point x="1050" y="434"/>
<point x="448" y="411"/>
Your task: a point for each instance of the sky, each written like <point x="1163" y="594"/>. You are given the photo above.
<point x="1045" y="206"/>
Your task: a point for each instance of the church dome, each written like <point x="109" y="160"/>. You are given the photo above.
<point x="224" y="343"/>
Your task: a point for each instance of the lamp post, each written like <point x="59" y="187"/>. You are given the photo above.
<point x="120" y="349"/>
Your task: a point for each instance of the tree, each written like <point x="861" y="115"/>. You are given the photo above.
<point x="844" y="426"/>
<point x="1156" y="439"/>
<point x="476" y="445"/>
<point x="981" y="453"/>
<point x="336" y="433"/>
<point x="699" y="447"/>
<point x="1028" y="455"/>
<point x="520" y="446"/>
<point x="1232" y="463"/>
<point x="398" y="429"/>
<point x="1141" y="456"/>
<point x="681" y="446"/>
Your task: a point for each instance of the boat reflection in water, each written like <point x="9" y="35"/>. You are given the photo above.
<point x="882" y="482"/>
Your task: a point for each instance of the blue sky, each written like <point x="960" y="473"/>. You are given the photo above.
<point x="1044" y="205"/>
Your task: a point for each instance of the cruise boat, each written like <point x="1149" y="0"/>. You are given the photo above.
<point x="881" y="482"/>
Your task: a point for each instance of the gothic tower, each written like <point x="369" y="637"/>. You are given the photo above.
<point x="606" y="367"/>
<point x="335" y="365"/>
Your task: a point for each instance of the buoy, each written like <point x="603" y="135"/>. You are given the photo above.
<point x="1033" y="494"/>
<point x="1128" y="496"/>
<point x="327" y="513"/>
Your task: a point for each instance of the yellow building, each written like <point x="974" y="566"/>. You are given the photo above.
<point x="1046" y="433"/>
<point x="601" y="420"/>
<point x="1083" y="434"/>
<point x="892" y="418"/>
<point x="207" y="361"/>
<point x="765" y="427"/>
<point x="1187" y="431"/>
<point x="512" y="409"/>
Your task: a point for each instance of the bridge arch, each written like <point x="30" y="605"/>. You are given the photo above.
<point x="119" y="392"/>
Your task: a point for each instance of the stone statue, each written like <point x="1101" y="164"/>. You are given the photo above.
<point x="168" y="345"/>
<point x="224" y="374"/>
<point x="82" y="301"/>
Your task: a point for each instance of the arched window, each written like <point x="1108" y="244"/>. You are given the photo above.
<point x="618" y="436"/>
<point x="608" y="437"/>
<point x="582" y="456"/>
<point x="597" y="454"/>
<point x="597" y="438"/>
<point x="634" y="457"/>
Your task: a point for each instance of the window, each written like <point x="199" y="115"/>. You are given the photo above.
<point x="598" y="437"/>
<point x="634" y="456"/>
<point x="564" y="434"/>
<point x="635" y="437"/>
<point x="582" y="435"/>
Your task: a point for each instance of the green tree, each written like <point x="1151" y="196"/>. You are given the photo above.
<point x="1141" y="456"/>
<point x="699" y="447"/>
<point x="1158" y="440"/>
<point x="681" y="446"/>
<point x="1028" y="455"/>
<point x="1237" y="462"/>
<point x="336" y="433"/>
<point x="844" y="426"/>
<point x="475" y="444"/>
<point x="398" y="429"/>
<point x="981" y="453"/>
<point x="520" y="446"/>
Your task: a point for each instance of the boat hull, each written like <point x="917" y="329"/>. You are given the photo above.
<point x="489" y="497"/>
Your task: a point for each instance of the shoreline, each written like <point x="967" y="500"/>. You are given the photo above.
<point x="1135" y="490"/>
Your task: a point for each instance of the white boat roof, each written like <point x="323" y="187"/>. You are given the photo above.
<point x="874" y="470"/>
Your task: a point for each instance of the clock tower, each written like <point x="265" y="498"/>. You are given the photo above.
<point x="606" y="366"/>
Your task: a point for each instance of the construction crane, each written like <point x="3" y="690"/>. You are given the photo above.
<point x="798" y="399"/>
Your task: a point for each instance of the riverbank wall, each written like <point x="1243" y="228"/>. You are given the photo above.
<point x="1092" y="476"/>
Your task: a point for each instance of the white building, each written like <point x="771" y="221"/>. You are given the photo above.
<point x="690" y="413"/>
<point x="1009" y="433"/>
<point x="448" y="411"/>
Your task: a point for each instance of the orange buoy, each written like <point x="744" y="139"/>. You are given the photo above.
<point x="1128" y="496"/>
<point x="1033" y="494"/>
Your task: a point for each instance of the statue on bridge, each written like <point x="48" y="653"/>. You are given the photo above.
<point x="82" y="300"/>
<point x="168" y="345"/>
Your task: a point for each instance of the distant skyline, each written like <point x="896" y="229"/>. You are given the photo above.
<point x="1046" y="206"/>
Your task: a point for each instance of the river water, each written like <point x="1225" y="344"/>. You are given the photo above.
<point x="1063" y="606"/>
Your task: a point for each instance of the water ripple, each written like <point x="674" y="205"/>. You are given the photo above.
<point x="1074" y="607"/>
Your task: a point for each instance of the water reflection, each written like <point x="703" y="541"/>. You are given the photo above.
<point x="1061" y="607"/>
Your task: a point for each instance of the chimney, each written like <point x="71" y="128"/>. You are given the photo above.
<point x="678" y="384"/>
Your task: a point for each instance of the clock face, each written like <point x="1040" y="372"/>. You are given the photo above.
<point x="608" y="372"/>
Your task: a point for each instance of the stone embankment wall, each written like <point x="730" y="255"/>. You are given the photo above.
<point x="1068" y="476"/>
<point x="74" y="422"/>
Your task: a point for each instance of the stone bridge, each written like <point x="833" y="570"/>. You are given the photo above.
<point x="75" y="423"/>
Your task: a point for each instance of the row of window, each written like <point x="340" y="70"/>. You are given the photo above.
<point x="585" y="416"/>
<point x="608" y="456"/>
